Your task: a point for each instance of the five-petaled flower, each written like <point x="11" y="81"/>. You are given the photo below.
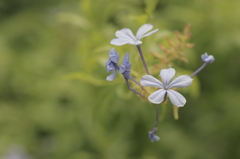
<point x="111" y="64"/>
<point x="167" y="74"/>
<point x="125" y="35"/>
<point x="207" y="58"/>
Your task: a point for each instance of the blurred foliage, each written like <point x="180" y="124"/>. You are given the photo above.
<point x="55" y="102"/>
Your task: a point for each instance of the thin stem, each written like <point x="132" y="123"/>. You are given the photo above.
<point x="163" y="112"/>
<point x="128" y="84"/>
<point x="198" y="70"/>
<point x="135" y="81"/>
<point x="143" y="60"/>
<point x="155" y="125"/>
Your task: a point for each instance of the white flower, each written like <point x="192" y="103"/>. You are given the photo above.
<point x="125" y="35"/>
<point x="167" y="74"/>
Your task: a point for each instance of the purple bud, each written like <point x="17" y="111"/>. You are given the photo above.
<point x="152" y="135"/>
<point x="111" y="64"/>
<point x="125" y="67"/>
<point x="113" y="56"/>
<point x="207" y="58"/>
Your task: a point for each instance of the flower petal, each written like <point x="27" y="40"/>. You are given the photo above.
<point x="176" y="98"/>
<point x="113" y="55"/>
<point x="135" y="42"/>
<point x="150" y="81"/>
<point x="157" y="96"/>
<point x="119" y="42"/>
<point x="109" y="66"/>
<point x="150" y="33"/>
<point x="181" y="81"/>
<point x="125" y="33"/>
<point x="112" y="76"/>
<point x="143" y="30"/>
<point x="204" y="56"/>
<point x="167" y="75"/>
<point x="125" y="64"/>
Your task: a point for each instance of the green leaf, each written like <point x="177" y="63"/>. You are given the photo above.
<point x="88" y="78"/>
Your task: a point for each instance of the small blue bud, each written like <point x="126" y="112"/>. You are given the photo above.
<point x="207" y="58"/>
<point x="111" y="64"/>
<point x="125" y="67"/>
<point x="113" y="56"/>
<point x="152" y="135"/>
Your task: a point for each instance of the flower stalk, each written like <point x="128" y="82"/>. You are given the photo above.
<point x="129" y="86"/>
<point x="142" y="58"/>
<point x="135" y="81"/>
<point x="199" y="69"/>
<point x="156" y="123"/>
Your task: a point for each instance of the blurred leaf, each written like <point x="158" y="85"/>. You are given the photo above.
<point x="150" y="7"/>
<point x="73" y="19"/>
<point x="88" y="79"/>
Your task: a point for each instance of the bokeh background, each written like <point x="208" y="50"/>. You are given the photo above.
<point x="56" y="104"/>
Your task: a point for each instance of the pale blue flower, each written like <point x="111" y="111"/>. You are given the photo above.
<point x="125" y="35"/>
<point x="124" y="69"/>
<point x="152" y="135"/>
<point x="111" y="64"/>
<point x="207" y="58"/>
<point x="167" y="74"/>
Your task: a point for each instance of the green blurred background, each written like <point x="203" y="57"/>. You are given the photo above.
<point x="56" y="104"/>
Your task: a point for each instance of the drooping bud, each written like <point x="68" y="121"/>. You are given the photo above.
<point x="111" y="64"/>
<point x="152" y="135"/>
<point x="124" y="69"/>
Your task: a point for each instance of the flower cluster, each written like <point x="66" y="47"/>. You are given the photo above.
<point x="165" y="88"/>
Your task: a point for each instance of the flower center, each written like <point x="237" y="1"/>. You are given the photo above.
<point x="165" y="88"/>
